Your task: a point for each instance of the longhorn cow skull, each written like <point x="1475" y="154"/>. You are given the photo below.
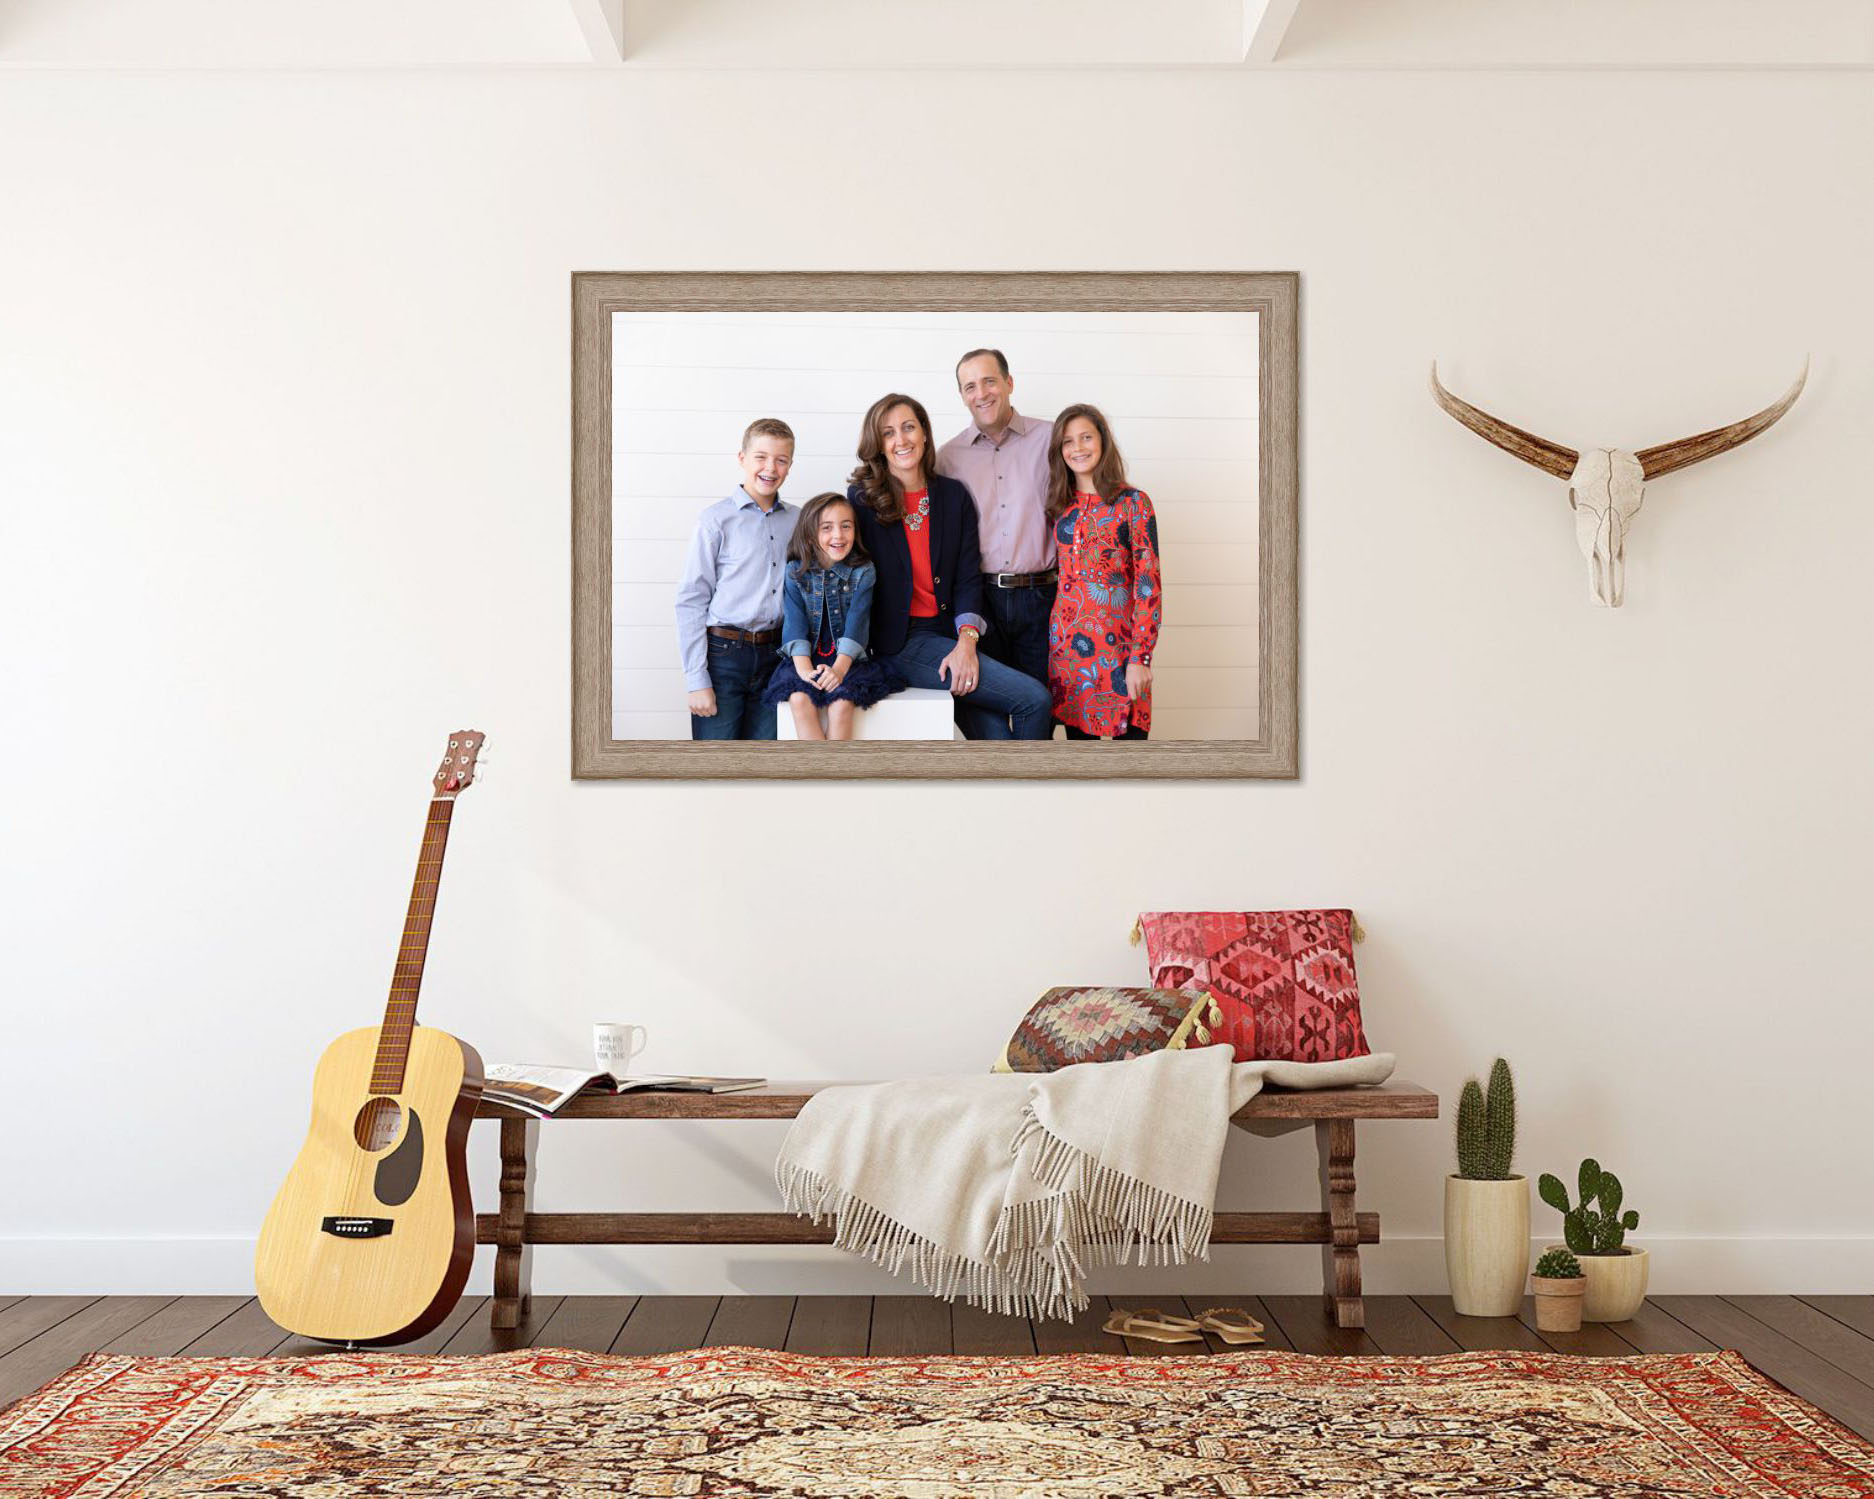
<point x="1605" y="485"/>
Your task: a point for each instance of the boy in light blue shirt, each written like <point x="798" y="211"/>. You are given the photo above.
<point x="729" y="602"/>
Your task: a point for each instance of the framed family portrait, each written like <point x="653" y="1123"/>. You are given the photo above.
<point x="935" y="525"/>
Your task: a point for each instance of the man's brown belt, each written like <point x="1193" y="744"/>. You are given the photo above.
<point x="747" y="637"/>
<point x="1021" y="580"/>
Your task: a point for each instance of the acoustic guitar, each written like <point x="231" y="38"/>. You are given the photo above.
<point x="370" y="1237"/>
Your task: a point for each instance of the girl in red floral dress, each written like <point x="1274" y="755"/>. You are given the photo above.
<point x="1107" y="608"/>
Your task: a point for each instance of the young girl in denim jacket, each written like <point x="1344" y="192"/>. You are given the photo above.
<point x="825" y="621"/>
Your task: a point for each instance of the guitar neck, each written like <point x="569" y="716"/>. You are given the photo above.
<point x="393" y="1044"/>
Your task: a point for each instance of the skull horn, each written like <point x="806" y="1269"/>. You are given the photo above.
<point x="1674" y="455"/>
<point x="1550" y="457"/>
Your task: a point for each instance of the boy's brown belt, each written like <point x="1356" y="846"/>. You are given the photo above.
<point x="1022" y="580"/>
<point x="748" y="637"/>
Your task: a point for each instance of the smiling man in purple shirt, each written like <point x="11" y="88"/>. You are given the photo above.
<point x="1003" y="457"/>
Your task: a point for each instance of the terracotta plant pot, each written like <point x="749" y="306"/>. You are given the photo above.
<point x="1487" y="1245"/>
<point x="1616" y="1285"/>
<point x="1558" y="1302"/>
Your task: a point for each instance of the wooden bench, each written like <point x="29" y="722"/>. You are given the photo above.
<point x="515" y="1228"/>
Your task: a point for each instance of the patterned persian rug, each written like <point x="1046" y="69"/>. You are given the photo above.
<point x="734" y="1421"/>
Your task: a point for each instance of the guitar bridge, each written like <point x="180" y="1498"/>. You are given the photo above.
<point x="356" y="1228"/>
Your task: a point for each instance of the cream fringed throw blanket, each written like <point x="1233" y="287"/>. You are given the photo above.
<point x="1006" y="1188"/>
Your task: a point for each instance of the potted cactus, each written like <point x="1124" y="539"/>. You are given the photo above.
<point x="1596" y="1230"/>
<point x="1558" y="1284"/>
<point x="1486" y="1205"/>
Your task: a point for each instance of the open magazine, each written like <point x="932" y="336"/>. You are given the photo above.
<point x="545" y="1090"/>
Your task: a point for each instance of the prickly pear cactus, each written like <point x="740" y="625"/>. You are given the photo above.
<point x="1588" y="1229"/>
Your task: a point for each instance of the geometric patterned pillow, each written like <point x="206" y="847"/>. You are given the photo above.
<point x="1285" y="979"/>
<point x="1090" y="1024"/>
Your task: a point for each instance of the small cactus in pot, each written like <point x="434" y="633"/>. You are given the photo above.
<point x="1596" y="1230"/>
<point x="1560" y="1287"/>
<point x="1558" y="1264"/>
<point x="1486" y="1204"/>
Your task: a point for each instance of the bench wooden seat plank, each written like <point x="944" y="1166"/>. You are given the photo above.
<point x="787" y="1228"/>
<point x="785" y="1100"/>
<point x="515" y="1228"/>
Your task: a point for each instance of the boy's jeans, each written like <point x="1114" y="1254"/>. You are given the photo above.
<point x="1001" y="690"/>
<point x="738" y="670"/>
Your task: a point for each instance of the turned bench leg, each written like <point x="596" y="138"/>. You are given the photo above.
<point x="513" y="1255"/>
<point x="1340" y="1256"/>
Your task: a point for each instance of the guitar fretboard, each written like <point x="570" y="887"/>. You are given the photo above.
<point x="393" y="1042"/>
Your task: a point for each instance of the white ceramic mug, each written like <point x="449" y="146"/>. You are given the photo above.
<point x="614" y="1046"/>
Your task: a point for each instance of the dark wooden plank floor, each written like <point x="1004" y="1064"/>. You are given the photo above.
<point x="1822" y="1347"/>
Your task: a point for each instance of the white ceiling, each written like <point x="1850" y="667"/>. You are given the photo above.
<point x="1282" y="35"/>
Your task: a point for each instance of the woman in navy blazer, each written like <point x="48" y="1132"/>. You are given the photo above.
<point x="920" y="531"/>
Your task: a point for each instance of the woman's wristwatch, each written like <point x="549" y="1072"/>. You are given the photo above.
<point x="969" y="633"/>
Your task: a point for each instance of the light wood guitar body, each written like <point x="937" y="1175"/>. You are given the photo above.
<point x="337" y="1261"/>
<point x="371" y="1236"/>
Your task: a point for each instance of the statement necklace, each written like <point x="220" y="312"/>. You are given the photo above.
<point x="915" y="517"/>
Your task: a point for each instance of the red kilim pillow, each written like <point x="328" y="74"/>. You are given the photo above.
<point x="1285" y="979"/>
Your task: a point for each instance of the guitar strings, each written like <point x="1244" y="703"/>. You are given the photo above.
<point x="400" y="1010"/>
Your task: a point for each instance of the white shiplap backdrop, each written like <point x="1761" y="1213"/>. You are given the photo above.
<point x="1178" y="388"/>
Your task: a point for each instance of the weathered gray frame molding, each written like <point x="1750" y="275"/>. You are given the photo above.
<point x="1274" y="753"/>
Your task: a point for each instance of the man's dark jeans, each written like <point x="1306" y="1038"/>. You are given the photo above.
<point x="738" y="671"/>
<point x="1017" y="637"/>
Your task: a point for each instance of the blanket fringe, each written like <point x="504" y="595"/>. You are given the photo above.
<point x="1106" y="1214"/>
<point x="1033" y="1281"/>
<point x="1096" y="1216"/>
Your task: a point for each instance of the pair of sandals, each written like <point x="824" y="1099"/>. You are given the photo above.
<point x="1231" y="1323"/>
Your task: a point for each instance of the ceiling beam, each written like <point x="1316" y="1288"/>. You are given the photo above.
<point x="1265" y="24"/>
<point x="602" y="23"/>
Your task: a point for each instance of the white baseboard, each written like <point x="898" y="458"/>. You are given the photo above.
<point x="1689" y="1265"/>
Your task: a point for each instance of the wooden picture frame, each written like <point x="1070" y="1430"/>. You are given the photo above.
<point x="1274" y="296"/>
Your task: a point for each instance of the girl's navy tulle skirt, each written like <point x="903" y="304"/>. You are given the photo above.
<point x="867" y="682"/>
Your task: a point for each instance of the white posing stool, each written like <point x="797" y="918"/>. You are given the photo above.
<point x="915" y="713"/>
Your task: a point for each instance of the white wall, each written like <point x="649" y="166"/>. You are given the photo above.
<point x="1179" y="389"/>
<point x="284" y="458"/>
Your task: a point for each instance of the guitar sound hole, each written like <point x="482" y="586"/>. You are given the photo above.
<point x="376" y="1124"/>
